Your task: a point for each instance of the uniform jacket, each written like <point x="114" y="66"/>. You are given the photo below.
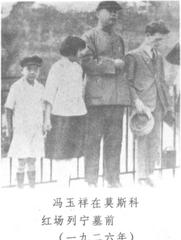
<point x="105" y="85"/>
<point x="146" y="79"/>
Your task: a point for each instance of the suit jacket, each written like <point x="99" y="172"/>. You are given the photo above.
<point x="105" y="85"/>
<point x="146" y="79"/>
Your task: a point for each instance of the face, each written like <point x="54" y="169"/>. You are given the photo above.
<point x="107" y="17"/>
<point x="30" y="72"/>
<point x="156" y="40"/>
<point x="77" y="57"/>
<point x="80" y="53"/>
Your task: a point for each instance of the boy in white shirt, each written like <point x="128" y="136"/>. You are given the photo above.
<point x="24" y="114"/>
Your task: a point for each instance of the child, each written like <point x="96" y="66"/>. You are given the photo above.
<point x="65" y="108"/>
<point x="24" y="113"/>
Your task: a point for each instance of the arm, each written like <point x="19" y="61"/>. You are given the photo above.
<point x="9" y="109"/>
<point x="9" y="119"/>
<point x="165" y="86"/>
<point x="52" y="83"/>
<point x="94" y="64"/>
<point x="130" y="72"/>
<point x="49" y="96"/>
<point x="47" y="121"/>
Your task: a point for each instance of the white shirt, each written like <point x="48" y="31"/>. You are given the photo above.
<point x="27" y="103"/>
<point x="64" y="88"/>
<point x="149" y="50"/>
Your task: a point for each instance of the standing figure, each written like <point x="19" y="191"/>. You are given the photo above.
<point x="24" y="113"/>
<point x="106" y="95"/>
<point x="65" y="109"/>
<point x="149" y="93"/>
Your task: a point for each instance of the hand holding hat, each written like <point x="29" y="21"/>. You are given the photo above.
<point x="119" y="64"/>
<point x="141" y="108"/>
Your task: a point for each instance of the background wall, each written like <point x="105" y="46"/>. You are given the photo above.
<point x="33" y="28"/>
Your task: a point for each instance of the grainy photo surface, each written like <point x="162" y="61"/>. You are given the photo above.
<point x="90" y="92"/>
<point x="90" y="118"/>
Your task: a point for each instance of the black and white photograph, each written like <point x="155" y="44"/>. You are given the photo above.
<point x="90" y="110"/>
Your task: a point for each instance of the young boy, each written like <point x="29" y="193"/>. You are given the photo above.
<point x="24" y="113"/>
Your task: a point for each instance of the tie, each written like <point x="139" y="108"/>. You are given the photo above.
<point x="153" y="55"/>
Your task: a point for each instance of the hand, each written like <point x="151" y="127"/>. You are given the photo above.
<point x="47" y="126"/>
<point x="9" y="133"/>
<point x="119" y="64"/>
<point x="147" y="111"/>
<point x="141" y="108"/>
<point x="139" y="105"/>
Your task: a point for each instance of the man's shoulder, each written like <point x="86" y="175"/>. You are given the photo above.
<point x="56" y="65"/>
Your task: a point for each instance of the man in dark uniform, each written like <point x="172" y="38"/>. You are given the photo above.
<point x="106" y="95"/>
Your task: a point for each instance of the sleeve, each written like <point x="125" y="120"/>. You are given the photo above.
<point x="51" y="85"/>
<point x="91" y="62"/>
<point x="11" y="99"/>
<point x="130" y="73"/>
<point x="164" y="85"/>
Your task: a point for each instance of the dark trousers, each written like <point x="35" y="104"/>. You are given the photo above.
<point x="149" y="147"/>
<point x="103" y="122"/>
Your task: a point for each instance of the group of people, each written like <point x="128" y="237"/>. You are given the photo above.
<point x="83" y="103"/>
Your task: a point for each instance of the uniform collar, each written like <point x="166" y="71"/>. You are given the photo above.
<point x="99" y="27"/>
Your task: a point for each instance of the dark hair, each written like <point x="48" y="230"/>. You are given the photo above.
<point x="31" y="60"/>
<point x="156" y="27"/>
<point x="109" y="5"/>
<point x="71" y="45"/>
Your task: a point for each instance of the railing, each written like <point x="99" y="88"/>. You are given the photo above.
<point x="127" y="158"/>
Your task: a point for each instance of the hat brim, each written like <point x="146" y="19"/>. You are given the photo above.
<point x="30" y="64"/>
<point x="145" y="130"/>
<point x="109" y="5"/>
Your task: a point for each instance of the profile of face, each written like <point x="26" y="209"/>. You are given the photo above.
<point x="107" y="18"/>
<point x="80" y="53"/>
<point x="156" y="40"/>
<point x="78" y="56"/>
<point x="30" y="72"/>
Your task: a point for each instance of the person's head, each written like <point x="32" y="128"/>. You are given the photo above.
<point x="155" y="33"/>
<point x="31" y="67"/>
<point x="71" y="47"/>
<point x="107" y="13"/>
